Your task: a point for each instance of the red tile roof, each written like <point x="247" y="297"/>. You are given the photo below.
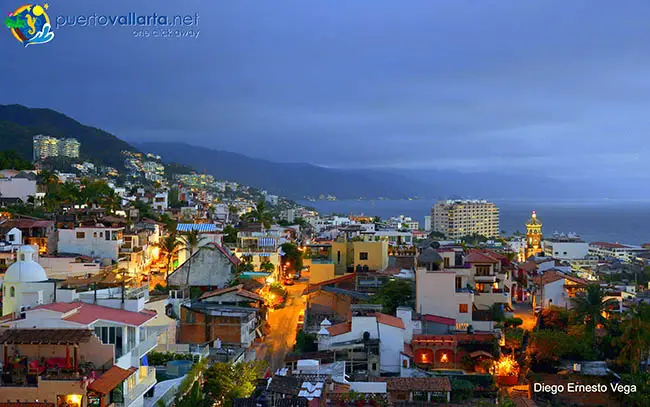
<point x="389" y="320"/>
<point x="606" y="245"/>
<point x="528" y="266"/>
<point x="439" y="320"/>
<point x="340" y="329"/>
<point x="234" y="260"/>
<point x="478" y="257"/>
<point x="46" y="336"/>
<point x="552" y="276"/>
<point x="237" y="289"/>
<point x="315" y="287"/>
<point x="111" y="379"/>
<point x="85" y="314"/>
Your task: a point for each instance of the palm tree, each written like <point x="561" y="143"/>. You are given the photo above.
<point x="169" y="246"/>
<point x="590" y="308"/>
<point x="193" y="243"/>
<point x="260" y="214"/>
<point x="635" y="339"/>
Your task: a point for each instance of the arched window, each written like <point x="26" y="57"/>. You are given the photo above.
<point x="12" y="291"/>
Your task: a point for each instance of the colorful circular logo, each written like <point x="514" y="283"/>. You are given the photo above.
<point x="30" y="24"/>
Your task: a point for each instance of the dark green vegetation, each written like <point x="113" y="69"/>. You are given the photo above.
<point x="18" y="124"/>
<point x="393" y="294"/>
<point x="12" y="160"/>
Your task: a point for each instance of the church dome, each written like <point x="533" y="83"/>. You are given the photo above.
<point x="25" y="270"/>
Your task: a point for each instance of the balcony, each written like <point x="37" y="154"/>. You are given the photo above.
<point x="146" y="379"/>
<point x="485" y="279"/>
<point x="144" y="347"/>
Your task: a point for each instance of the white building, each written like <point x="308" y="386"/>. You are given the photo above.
<point x="439" y="293"/>
<point x="25" y="283"/>
<point x="127" y="331"/>
<point x="456" y="219"/>
<point x="623" y="252"/>
<point x="565" y="247"/>
<point x="45" y="146"/>
<point x="21" y="186"/>
<point x="556" y="288"/>
<point x="272" y="199"/>
<point x="427" y="223"/>
<point x="389" y="330"/>
<point x="99" y="242"/>
<point x="160" y="201"/>
<point x="69" y="147"/>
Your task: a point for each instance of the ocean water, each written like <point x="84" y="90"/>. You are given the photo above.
<point x="605" y="220"/>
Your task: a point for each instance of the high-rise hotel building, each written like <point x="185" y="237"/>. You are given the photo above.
<point x="46" y="146"/>
<point x="458" y="218"/>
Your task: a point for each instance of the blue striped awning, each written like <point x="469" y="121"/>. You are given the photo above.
<point x="201" y="227"/>
<point x="266" y="242"/>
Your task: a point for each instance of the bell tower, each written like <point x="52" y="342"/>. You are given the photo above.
<point x="533" y="236"/>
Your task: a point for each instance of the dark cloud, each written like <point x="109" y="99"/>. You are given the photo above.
<point x="555" y="87"/>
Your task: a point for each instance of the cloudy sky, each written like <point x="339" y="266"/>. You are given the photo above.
<point x="557" y="87"/>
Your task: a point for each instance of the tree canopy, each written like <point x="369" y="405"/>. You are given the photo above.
<point x="393" y="294"/>
<point x="11" y="160"/>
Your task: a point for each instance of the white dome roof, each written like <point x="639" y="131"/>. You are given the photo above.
<point x="27" y="270"/>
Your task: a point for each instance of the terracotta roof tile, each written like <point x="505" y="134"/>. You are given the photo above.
<point x="606" y="245"/>
<point x="478" y="257"/>
<point x="315" y="287"/>
<point x="237" y="289"/>
<point x="83" y="313"/>
<point x="46" y="336"/>
<point x="439" y="320"/>
<point x="340" y="329"/>
<point x="111" y="379"/>
<point x="553" y="276"/>
<point x="389" y="320"/>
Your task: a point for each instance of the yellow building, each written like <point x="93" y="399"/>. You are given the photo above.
<point x="533" y="236"/>
<point x="349" y="255"/>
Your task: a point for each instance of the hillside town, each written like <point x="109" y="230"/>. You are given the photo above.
<point x="145" y="287"/>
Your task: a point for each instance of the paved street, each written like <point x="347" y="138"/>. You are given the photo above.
<point x="524" y="311"/>
<point x="282" y="332"/>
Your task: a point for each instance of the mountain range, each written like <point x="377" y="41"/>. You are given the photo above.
<point x="294" y="180"/>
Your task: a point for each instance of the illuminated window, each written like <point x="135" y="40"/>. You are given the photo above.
<point x="81" y="235"/>
<point x="463" y="308"/>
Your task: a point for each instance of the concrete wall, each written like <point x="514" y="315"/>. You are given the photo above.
<point x="552" y="294"/>
<point x="93" y="243"/>
<point x="436" y="295"/>
<point x="17" y="188"/>
<point x="566" y="250"/>
<point x="27" y="294"/>
<point x="65" y="267"/>
<point x="209" y="268"/>
<point x="391" y="340"/>
<point x="319" y="271"/>
<point x="46" y="390"/>
<point x="377" y="253"/>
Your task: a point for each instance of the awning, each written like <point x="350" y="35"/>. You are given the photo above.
<point x="200" y="227"/>
<point x="111" y="379"/>
<point x="266" y="242"/>
<point x="480" y="353"/>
